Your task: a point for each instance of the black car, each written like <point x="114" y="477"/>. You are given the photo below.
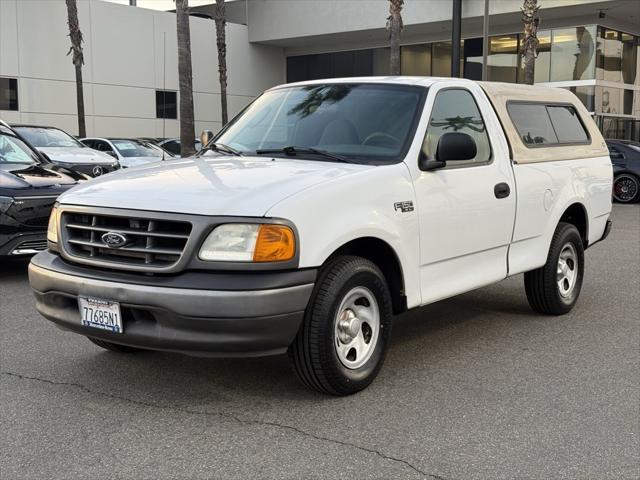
<point x="28" y="190"/>
<point x="625" y="157"/>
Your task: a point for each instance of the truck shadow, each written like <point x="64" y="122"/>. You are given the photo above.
<point x="419" y="338"/>
<point x="14" y="268"/>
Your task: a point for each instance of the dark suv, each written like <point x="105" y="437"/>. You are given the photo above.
<point x="28" y="190"/>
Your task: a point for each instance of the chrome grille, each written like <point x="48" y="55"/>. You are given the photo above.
<point x="151" y="242"/>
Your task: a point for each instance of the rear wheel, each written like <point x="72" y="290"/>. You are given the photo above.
<point x="113" y="347"/>
<point x="626" y="188"/>
<point x="554" y="288"/>
<point x="342" y="342"/>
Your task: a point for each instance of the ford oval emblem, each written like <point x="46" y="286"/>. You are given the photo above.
<point x="114" y="239"/>
<point x="97" y="171"/>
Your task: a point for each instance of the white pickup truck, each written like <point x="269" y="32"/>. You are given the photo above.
<point x="324" y="209"/>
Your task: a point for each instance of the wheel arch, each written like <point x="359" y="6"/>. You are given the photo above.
<point x="385" y="257"/>
<point x="576" y="214"/>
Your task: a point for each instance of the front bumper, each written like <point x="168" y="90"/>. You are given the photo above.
<point x="203" y="314"/>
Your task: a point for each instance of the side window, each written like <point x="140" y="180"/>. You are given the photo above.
<point x="533" y="123"/>
<point x="455" y="110"/>
<point x="89" y="143"/>
<point x="567" y="124"/>
<point x="540" y="124"/>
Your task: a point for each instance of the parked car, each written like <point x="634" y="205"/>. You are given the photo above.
<point x="345" y="202"/>
<point x="172" y="145"/>
<point x="28" y="191"/>
<point x="625" y="157"/>
<point x="129" y="152"/>
<point x="64" y="150"/>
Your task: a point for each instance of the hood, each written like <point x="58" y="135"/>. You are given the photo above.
<point x="232" y="186"/>
<point x="77" y="155"/>
<point x="136" y="161"/>
<point x="15" y="176"/>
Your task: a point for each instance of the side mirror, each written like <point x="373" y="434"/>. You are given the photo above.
<point x="112" y="153"/>
<point x="456" y="146"/>
<point x="205" y="137"/>
<point x="452" y="147"/>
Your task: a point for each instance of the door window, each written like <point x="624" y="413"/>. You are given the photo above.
<point x="455" y="110"/>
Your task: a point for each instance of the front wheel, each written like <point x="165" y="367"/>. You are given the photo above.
<point x="553" y="289"/>
<point x="342" y="342"/>
<point x="626" y="188"/>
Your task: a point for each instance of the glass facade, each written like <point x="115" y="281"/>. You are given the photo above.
<point x="589" y="53"/>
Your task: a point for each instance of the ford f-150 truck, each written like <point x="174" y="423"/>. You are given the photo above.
<point x="324" y="209"/>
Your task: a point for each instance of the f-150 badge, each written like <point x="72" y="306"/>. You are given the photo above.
<point x="403" y="206"/>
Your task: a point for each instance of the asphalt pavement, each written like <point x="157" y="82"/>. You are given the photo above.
<point x="477" y="386"/>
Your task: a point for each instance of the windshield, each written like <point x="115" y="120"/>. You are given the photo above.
<point x="48" y="137"/>
<point x="13" y="150"/>
<point x="131" y="148"/>
<point x="362" y="122"/>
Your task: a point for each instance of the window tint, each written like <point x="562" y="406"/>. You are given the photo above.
<point x="539" y="124"/>
<point x="368" y="122"/>
<point x="166" y="104"/>
<point x="456" y="111"/>
<point x="533" y="123"/>
<point x="567" y="124"/>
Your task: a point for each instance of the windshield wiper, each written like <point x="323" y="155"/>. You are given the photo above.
<point x="221" y="148"/>
<point x="291" y="150"/>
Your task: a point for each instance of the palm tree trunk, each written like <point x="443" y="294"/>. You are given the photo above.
<point x="78" y="60"/>
<point x="221" y="41"/>
<point x="529" y="43"/>
<point x="185" y="80"/>
<point x="394" y="27"/>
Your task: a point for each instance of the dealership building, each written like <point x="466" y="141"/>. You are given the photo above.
<point x="131" y="80"/>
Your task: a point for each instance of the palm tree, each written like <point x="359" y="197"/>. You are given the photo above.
<point x="221" y="23"/>
<point x="529" y="45"/>
<point x="394" y="27"/>
<point x="185" y="80"/>
<point x="78" y="60"/>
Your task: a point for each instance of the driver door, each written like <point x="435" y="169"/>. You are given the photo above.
<point x="465" y="224"/>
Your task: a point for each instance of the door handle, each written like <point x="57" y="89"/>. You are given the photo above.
<point x="501" y="190"/>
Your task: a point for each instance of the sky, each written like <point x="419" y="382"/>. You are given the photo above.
<point x="163" y="4"/>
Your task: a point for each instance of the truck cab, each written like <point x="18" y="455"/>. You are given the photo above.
<point x="324" y="209"/>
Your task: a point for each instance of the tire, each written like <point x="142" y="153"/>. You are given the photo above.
<point x="554" y="288"/>
<point x="113" y="347"/>
<point x="626" y="188"/>
<point x="331" y="353"/>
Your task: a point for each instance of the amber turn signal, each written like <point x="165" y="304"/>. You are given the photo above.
<point x="276" y="243"/>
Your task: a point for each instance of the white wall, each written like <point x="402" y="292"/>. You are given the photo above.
<point x="124" y="65"/>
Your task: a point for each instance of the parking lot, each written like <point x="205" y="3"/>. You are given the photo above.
<point x="473" y="387"/>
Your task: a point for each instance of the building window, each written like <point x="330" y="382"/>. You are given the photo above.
<point x="586" y="96"/>
<point x="629" y="58"/>
<point x="503" y="59"/>
<point x="166" y="104"/>
<point x="573" y="54"/>
<point x="352" y="63"/>
<point x="8" y="94"/>
<point x="415" y="60"/>
<point x="473" y="58"/>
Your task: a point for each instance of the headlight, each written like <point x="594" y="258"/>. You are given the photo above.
<point x="52" y="228"/>
<point x="240" y="242"/>
<point x="5" y="203"/>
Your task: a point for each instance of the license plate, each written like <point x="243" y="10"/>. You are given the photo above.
<point x="103" y="314"/>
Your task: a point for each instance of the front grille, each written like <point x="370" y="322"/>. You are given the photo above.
<point x="88" y="169"/>
<point x="150" y="242"/>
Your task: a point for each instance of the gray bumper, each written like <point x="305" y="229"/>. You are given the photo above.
<point x="194" y="321"/>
